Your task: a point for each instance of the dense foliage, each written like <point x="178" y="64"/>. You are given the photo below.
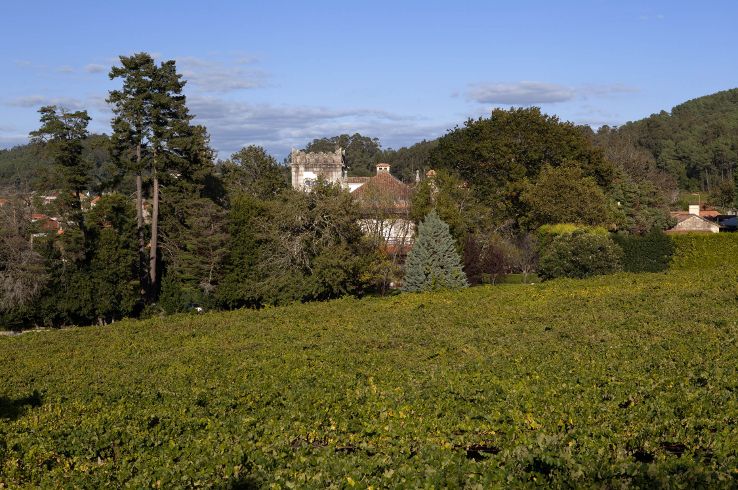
<point x="579" y="254"/>
<point x="696" y="143"/>
<point x="705" y="251"/>
<point x="651" y="252"/>
<point x="621" y="380"/>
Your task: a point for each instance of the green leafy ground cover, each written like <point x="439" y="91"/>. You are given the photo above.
<point x="607" y="382"/>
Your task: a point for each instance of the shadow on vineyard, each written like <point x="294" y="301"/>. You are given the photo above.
<point x="12" y="408"/>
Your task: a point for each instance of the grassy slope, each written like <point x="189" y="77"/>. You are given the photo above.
<point x="603" y="380"/>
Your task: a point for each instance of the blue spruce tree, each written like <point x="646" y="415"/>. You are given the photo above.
<point x="433" y="263"/>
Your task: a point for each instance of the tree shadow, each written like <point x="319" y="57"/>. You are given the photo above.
<point x="13" y="408"/>
<point x="242" y="483"/>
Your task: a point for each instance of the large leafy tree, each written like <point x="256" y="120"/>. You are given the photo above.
<point x="497" y="155"/>
<point x="296" y="247"/>
<point x="433" y="263"/>
<point x="565" y="195"/>
<point x="362" y="152"/>
<point x="251" y="170"/>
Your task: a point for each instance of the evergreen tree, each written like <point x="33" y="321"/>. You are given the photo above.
<point x="62" y="134"/>
<point x="433" y="263"/>
<point x="152" y="133"/>
<point x="132" y="130"/>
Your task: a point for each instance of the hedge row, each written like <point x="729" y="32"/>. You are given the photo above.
<point x="705" y="251"/>
<point x="564" y="252"/>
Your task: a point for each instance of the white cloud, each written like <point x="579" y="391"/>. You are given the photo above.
<point x="523" y="93"/>
<point x="95" y="68"/>
<point x="42" y="100"/>
<point x="528" y="92"/>
<point x="216" y="76"/>
<point x="233" y="125"/>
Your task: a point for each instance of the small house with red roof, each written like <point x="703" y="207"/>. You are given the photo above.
<point x="385" y="206"/>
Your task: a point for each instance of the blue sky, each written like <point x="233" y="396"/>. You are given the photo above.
<point x="279" y="74"/>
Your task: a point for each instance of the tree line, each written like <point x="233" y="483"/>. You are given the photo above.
<point x="150" y="222"/>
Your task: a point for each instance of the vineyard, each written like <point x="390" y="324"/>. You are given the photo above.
<point x="628" y="379"/>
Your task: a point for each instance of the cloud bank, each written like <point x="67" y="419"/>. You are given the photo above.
<point x="530" y="92"/>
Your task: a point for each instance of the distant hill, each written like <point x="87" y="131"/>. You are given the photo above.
<point x="697" y="142"/>
<point x="26" y="167"/>
<point x="21" y="166"/>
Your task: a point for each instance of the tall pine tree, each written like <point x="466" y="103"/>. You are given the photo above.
<point x="62" y="134"/>
<point x="433" y="263"/>
<point x="132" y="130"/>
<point x="153" y="136"/>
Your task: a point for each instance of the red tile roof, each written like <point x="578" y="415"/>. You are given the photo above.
<point x="384" y="185"/>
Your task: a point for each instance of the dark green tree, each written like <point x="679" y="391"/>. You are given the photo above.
<point x="153" y="134"/>
<point x="495" y="155"/>
<point x="252" y="171"/>
<point x="62" y="134"/>
<point x="132" y="130"/>
<point x="433" y="263"/>
<point x="362" y="152"/>
<point x="112" y="270"/>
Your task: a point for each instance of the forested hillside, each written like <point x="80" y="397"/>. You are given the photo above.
<point x="696" y="143"/>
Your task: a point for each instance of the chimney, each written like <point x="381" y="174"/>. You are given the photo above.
<point x="694" y="209"/>
<point x="383" y="168"/>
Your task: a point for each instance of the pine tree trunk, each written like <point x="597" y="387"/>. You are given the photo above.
<point x="140" y="221"/>
<point x="154" y="232"/>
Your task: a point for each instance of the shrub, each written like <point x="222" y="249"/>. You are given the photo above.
<point x="579" y="254"/>
<point x="651" y="252"/>
<point x="433" y="263"/>
<point x="546" y="233"/>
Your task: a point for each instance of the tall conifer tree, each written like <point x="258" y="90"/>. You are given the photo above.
<point x="132" y="130"/>
<point x="152" y="133"/>
<point x="62" y="133"/>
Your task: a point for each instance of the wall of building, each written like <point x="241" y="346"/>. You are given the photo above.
<point x="309" y="167"/>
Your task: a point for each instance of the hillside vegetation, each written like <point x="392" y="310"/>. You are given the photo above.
<point x="622" y="379"/>
<point x="695" y="142"/>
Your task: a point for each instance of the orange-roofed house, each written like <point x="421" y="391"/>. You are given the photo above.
<point x="385" y="205"/>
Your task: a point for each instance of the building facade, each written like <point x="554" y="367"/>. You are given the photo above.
<point x="307" y="168"/>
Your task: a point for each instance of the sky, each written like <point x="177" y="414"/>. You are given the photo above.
<point x="279" y="74"/>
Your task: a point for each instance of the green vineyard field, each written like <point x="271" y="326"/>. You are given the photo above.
<point x="622" y="380"/>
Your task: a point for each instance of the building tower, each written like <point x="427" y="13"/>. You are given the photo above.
<point x="307" y="168"/>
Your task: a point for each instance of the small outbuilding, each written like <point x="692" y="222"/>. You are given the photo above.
<point x="692" y="221"/>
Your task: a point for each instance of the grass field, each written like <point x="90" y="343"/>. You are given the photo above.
<point x="614" y="381"/>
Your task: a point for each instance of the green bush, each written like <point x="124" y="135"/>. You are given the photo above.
<point x="546" y="233"/>
<point x="579" y="254"/>
<point x="651" y="252"/>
